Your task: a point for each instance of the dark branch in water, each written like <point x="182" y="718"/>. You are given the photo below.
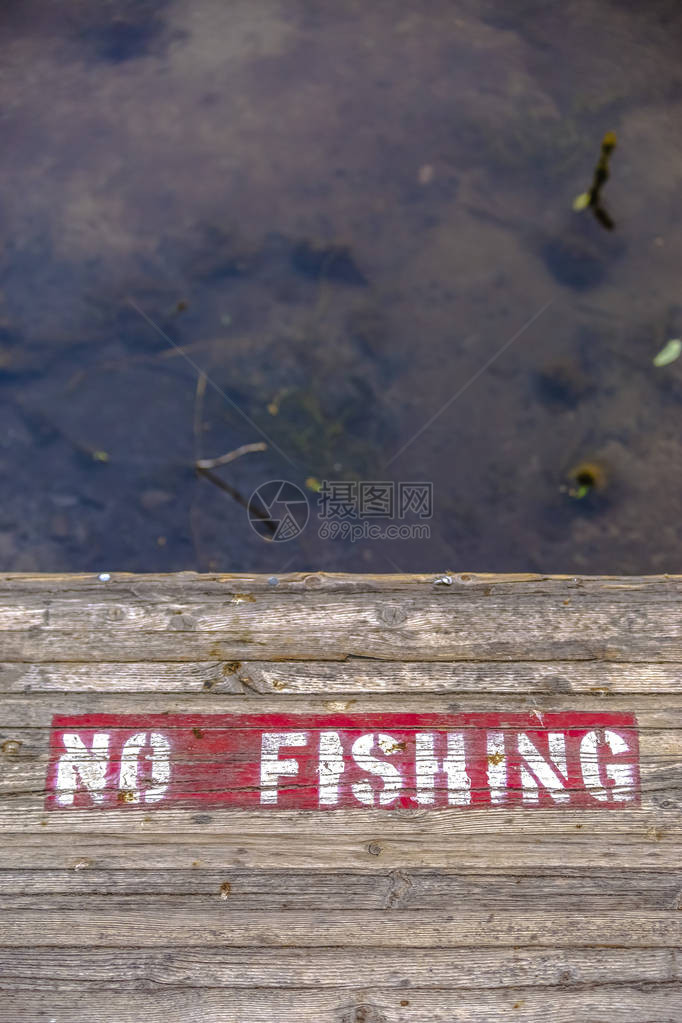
<point x="592" y="198"/>
<point x="251" y="506"/>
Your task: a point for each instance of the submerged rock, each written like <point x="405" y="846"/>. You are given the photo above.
<point x="582" y="257"/>
<point x="573" y="264"/>
<point x="328" y="262"/>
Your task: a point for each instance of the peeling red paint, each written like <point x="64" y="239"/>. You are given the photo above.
<point x="333" y="761"/>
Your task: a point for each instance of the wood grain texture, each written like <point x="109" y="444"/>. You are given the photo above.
<point x="361" y="916"/>
<point x="223" y="967"/>
<point x="533" y="619"/>
<point x="126" y="850"/>
<point x="171" y="926"/>
<point x="566" y="1003"/>
<point x="354" y="677"/>
<point x="605" y="888"/>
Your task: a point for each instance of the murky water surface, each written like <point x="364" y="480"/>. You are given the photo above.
<point x="345" y="231"/>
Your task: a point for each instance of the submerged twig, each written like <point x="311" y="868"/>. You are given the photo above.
<point x="198" y="413"/>
<point x="251" y="506"/>
<point x="245" y="449"/>
<point x="204" y="465"/>
<point x="197" y="429"/>
<point x="592" y="198"/>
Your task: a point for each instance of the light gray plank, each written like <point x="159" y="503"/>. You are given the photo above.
<point x="26" y="815"/>
<point x="615" y="1003"/>
<point x="132" y="849"/>
<point x="23" y="792"/>
<point x="602" y="888"/>
<point x="444" y="637"/>
<point x="659" y="711"/>
<point x="267" y="612"/>
<point x="168" y="926"/>
<point x="612" y="622"/>
<point x="353" y="678"/>
<point x="211" y="967"/>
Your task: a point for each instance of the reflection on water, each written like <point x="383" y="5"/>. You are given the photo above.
<point x="324" y="227"/>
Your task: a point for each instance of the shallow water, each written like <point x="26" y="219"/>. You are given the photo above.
<point x="346" y="231"/>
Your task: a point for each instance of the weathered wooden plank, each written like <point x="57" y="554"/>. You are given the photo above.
<point x="196" y="612"/>
<point x="655" y="743"/>
<point x="427" y="640"/>
<point x="37" y="710"/>
<point x="27" y="748"/>
<point x="133" y="849"/>
<point x="354" y="677"/>
<point x="163" y="585"/>
<point x="617" y="1003"/>
<point x="23" y="792"/>
<point x="195" y="751"/>
<point x="339" y="968"/>
<point x="198" y="903"/>
<point x="169" y="926"/>
<point x="22" y="782"/>
<point x="25" y="816"/>
<point x="612" y="624"/>
<point x="603" y="888"/>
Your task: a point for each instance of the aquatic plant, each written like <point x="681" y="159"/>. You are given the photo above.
<point x="584" y="478"/>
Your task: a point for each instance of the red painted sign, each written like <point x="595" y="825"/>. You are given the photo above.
<point x="330" y="761"/>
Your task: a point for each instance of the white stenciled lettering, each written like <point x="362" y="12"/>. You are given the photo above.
<point x="389" y="773"/>
<point x="271" y="767"/>
<point x="453" y="765"/>
<point x="497" y="767"/>
<point x="537" y="771"/>
<point x="622" y="774"/>
<point x="159" y="760"/>
<point x="82" y="768"/>
<point x="331" y="767"/>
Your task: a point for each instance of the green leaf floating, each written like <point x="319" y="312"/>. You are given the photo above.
<point x="670" y="351"/>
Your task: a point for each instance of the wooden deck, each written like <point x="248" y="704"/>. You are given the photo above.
<point x="198" y="893"/>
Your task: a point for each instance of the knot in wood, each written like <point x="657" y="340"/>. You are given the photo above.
<point x="393" y="614"/>
<point x="182" y="623"/>
<point x="363" y="1014"/>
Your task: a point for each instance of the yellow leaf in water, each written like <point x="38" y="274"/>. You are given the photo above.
<point x="671" y="351"/>
<point x="100" y="456"/>
<point x="581" y="202"/>
<point x="313" y="484"/>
